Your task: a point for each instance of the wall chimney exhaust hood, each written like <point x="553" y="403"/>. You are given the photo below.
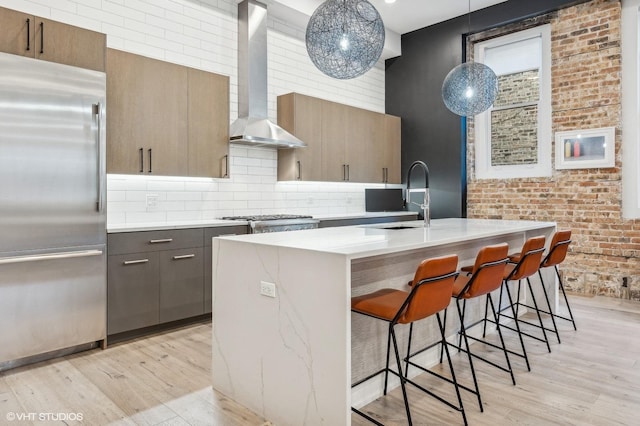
<point x="252" y="127"/>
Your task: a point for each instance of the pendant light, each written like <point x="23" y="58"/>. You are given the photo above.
<point x="345" y="38"/>
<point x="470" y="88"/>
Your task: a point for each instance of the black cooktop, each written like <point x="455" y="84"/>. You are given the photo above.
<point x="258" y="217"/>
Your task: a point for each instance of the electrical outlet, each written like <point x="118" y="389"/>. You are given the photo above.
<point x="267" y="289"/>
<point x="152" y="202"/>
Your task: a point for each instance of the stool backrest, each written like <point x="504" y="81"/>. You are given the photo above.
<point x="530" y="258"/>
<point x="557" y="249"/>
<point x="488" y="270"/>
<point x="431" y="288"/>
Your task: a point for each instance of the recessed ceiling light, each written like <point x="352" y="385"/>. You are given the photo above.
<point x="389" y="1"/>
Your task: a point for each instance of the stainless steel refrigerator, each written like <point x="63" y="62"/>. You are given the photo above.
<point x="52" y="208"/>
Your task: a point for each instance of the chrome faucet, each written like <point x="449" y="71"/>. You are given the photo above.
<point x="425" y="203"/>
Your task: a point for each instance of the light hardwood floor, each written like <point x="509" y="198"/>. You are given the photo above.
<point x="592" y="378"/>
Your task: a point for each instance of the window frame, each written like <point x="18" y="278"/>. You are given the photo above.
<point x="482" y="122"/>
<point x="631" y="109"/>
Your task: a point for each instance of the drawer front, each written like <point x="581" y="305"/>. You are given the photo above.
<point x="218" y="231"/>
<point x="181" y="284"/>
<point x="146" y="241"/>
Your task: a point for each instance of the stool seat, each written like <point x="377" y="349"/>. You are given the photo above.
<point x="515" y="257"/>
<point x="383" y="304"/>
<point x="460" y="285"/>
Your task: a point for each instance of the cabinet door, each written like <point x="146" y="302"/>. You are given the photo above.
<point x="181" y="284"/>
<point x="334" y="130"/>
<point x="147" y="115"/>
<point x="392" y="148"/>
<point x="132" y="291"/>
<point x="301" y="116"/>
<point x="69" y="45"/>
<point x="165" y="117"/>
<point x="363" y="130"/>
<point x="208" y="115"/>
<point x="126" y="134"/>
<point x="18" y="33"/>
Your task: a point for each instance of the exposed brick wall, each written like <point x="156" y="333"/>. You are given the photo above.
<point x="586" y="93"/>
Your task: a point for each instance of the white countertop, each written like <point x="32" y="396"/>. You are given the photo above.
<point x="154" y="226"/>
<point x="372" y="240"/>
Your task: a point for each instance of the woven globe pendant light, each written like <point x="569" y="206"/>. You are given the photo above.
<point x="345" y="38"/>
<point x="470" y="88"/>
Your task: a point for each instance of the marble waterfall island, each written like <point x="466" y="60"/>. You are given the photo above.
<point x="284" y="342"/>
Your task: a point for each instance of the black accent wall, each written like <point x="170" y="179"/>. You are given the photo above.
<point x="430" y="132"/>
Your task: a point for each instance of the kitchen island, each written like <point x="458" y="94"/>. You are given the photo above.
<point x="284" y="342"/>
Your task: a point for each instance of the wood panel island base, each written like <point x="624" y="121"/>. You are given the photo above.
<point x="285" y="343"/>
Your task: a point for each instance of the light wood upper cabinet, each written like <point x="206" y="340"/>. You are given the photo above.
<point x="334" y="152"/>
<point x="392" y="148"/>
<point x="298" y="114"/>
<point x="18" y="33"/>
<point x="165" y="119"/>
<point x="147" y="115"/>
<point x="35" y="37"/>
<point x="350" y="144"/>
<point x="208" y="124"/>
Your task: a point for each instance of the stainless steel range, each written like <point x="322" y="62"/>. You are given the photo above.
<point x="259" y="224"/>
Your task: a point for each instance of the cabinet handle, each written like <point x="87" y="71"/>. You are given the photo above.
<point x="135" y="262"/>
<point x="344" y="172"/>
<point x="41" y="38"/>
<point x="141" y="160"/>
<point x="96" y="112"/>
<point x="299" y="171"/>
<point x="164" y="240"/>
<point x="184" y="256"/>
<point x="226" y="166"/>
<point x="149" y="160"/>
<point x="383" y="175"/>
<point x="28" y="34"/>
<point x="348" y="173"/>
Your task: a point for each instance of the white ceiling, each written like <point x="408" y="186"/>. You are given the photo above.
<point x="404" y="16"/>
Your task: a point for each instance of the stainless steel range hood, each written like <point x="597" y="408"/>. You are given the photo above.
<point x="252" y="127"/>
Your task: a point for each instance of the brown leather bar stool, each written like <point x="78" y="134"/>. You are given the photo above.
<point x="527" y="265"/>
<point x="486" y="276"/>
<point x="430" y="293"/>
<point x="557" y="253"/>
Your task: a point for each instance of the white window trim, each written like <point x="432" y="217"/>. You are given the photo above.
<point x="630" y="109"/>
<point x="483" y="167"/>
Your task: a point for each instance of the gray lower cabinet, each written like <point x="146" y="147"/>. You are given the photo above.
<point x="132" y="291"/>
<point x="181" y="284"/>
<point x="156" y="277"/>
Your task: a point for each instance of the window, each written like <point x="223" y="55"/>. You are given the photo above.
<point x="630" y="109"/>
<point x="513" y="137"/>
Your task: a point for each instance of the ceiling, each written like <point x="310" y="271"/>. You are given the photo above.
<point x="404" y="16"/>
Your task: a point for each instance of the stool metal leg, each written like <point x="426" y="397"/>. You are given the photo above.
<point x="463" y="333"/>
<point x="504" y="347"/>
<point x="551" y="314"/>
<point x="386" y="371"/>
<point x="535" y="304"/>
<point x="565" y="299"/>
<point x="453" y="374"/>
<point x="400" y="375"/>
<point x="513" y="310"/>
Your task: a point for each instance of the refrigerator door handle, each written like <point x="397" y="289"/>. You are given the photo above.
<point x="50" y="256"/>
<point x="96" y="112"/>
